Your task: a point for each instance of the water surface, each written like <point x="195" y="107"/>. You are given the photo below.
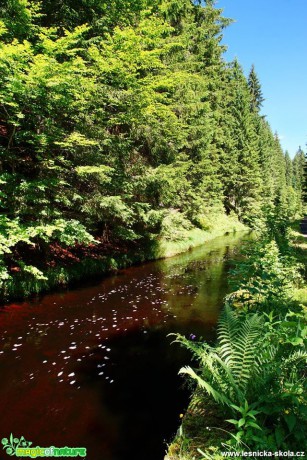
<point x="92" y="367"/>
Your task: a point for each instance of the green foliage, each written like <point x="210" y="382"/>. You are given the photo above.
<point x="256" y="370"/>
<point x="229" y="370"/>
<point x="245" y="424"/>
<point x="121" y="119"/>
<point x="255" y="90"/>
<point x="256" y="377"/>
<point x="174" y="225"/>
<point x="265" y="279"/>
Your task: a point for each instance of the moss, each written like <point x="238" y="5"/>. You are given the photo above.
<point x="202" y="428"/>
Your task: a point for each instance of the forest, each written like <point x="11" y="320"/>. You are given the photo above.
<point x="125" y="136"/>
<point x="121" y="125"/>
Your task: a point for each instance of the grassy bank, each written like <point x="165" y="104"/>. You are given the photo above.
<point x="250" y="392"/>
<point x="201" y="426"/>
<point x="214" y="226"/>
<point x="25" y="284"/>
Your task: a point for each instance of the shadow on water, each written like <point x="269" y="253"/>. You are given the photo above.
<point x="145" y="397"/>
<point x="94" y="367"/>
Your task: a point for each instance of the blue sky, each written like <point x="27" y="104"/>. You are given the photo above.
<point x="272" y="35"/>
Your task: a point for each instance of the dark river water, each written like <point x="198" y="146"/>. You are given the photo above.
<point x="93" y="367"/>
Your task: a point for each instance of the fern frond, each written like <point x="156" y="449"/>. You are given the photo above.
<point x="245" y="350"/>
<point x="227" y="332"/>
<point x="218" y="397"/>
<point x="231" y="385"/>
<point x="300" y="355"/>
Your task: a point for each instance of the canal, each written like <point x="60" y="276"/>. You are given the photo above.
<point x="93" y="366"/>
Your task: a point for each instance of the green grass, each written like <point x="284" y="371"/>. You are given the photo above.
<point x="202" y="428"/>
<point x="217" y="225"/>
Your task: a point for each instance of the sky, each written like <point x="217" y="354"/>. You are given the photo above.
<point x="272" y="35"/>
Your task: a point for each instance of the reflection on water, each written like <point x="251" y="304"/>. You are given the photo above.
<point x="93" y="367"/>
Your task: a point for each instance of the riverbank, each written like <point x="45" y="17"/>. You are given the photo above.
<point x="202" y="425"/>
<point x="93" y="263"/>
<point x="207" y="425"/>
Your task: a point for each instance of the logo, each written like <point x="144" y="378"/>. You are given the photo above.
<point x="22" y="448"/>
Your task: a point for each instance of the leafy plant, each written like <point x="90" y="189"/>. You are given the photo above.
<point x="245" y="424"/>
<point x="254" y="370"/>
<point x="228" y="372"/>
<point x="264" y="279"/>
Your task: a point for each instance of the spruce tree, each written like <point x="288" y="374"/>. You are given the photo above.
<point x="255" y="90"/>
<point x="299" y="162"/>
<point x="241" y="161"/>
<point x="289" y="169"/>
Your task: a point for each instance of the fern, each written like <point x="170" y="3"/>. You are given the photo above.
<point x="228" y="370"/>
<point x="217" y="395"/>
<point x="243" y="363"/>
<point x="246" y="347"/>
<point x="227" y="332"/>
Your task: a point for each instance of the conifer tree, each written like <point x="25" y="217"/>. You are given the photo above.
<point x="241" y="165"/>
<point x="299" y="163"/>
<point x="108" y="127"/>
<point x="289" y="169"/>
<point x="255" y="90"/>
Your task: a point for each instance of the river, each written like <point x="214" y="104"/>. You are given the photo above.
<point x="93" y="366"/>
